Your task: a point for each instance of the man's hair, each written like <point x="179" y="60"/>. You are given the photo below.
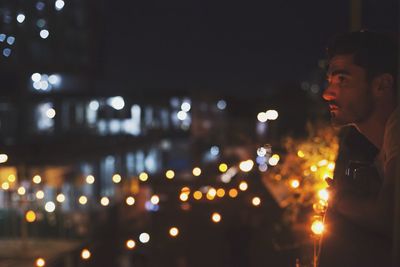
<point x="376" y="52"/>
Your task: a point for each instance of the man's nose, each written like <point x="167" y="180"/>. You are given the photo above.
<point x="329" y="93"/>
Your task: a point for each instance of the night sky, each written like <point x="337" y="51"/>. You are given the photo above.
<point x="225" y="45"/>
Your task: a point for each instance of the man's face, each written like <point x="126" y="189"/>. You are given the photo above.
<point x="348" y="93"/>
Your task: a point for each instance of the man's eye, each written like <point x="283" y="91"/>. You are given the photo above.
<point x="341" y="78"/>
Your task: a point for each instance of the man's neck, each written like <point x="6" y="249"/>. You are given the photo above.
<point x="374" y="128"/>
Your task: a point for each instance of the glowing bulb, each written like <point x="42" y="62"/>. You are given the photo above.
<point x="20" y="18"/>
<point x="130" y="201"/>
<point x="155" y="200"/>
<point x="143" y="177"/>
<point x="59" y="4"/>
<point x="37" y="179"/>
<point x="317" y="227"/>
<point x="181" y="115"/>
<point x="262" y="117"/>
<point x="11" y="178"/>
<point x="197" y="195"/>
<point x="331" y="166"/>
<point x="144" y="237"/>
<point x="85" y="254"/>
<point x="40" y="262"/>
<point x="116" y="178"/>
<point x="294" y="183"/>
<point x="243" y="186"/>
<point x="196" y="171"/>
<point x="3" y="158"/>
<point x="173" y="231"/>
<point x="90" y="179"/>
<point x="216" y="217"/>
<point x="183" y="196"/>
<point x="212" y="192"/>
<point x="273" y="161"/>
<point x="44" y="34"/>
<point x="300" y="154"/>
<point x="220" y="192"/>
<point x="5" y="186"/>
<point x="21" y="191"/>
<point x="233" y="193"/>
<point x="271" y="114"/>
<point x="186" y="106"/>
<point x="256" y="201"/>
<point x="50" y="207"/>
<point x="83" y="200"/>
<point x="104" y="201"/>
<point x="60" y="198"/>
<point x="117" y="102"/>
<point x="51" y="113"/>
<point x="30" y="216"/>
<point x="313" y="168"/>
<point x="36" y="77"/>
<point x="323" y="194"/>
<point x="170" y="174"/>
<point x="40" y="194"/>
<point x="130" y="244"/>
<point x="322" y="163"/>
<point x="223" y="167"/>
<point x="185" y="189"/>
<point x="246" y="166"/>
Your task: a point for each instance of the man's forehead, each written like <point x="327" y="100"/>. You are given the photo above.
<point x="340" y="62"/>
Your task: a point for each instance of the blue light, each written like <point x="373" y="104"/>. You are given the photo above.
<point x="2" y="37"/>
<point x="6" y="52"/>
<point x="10" y="40"/>
<point x="40" y="6"/>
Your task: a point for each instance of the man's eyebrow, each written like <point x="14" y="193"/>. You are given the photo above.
<point x="337" y="72"/>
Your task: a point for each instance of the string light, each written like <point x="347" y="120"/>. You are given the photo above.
<point x="197" y="195"/>
<point x="116" y="178"/>
<point x="60" y="198"/>
<point x="50" y="207"/>
<point x="243" y="186"/>
<point x="104" y="201"/>
<point x="196" y="171"/>
<point x="37" y="179"/>
<point x="83" y="200"/>
<point x="223" y="167"/>
<point x="144" y="238"/>
<point x="40" y="194"/>
<point x="323" y="194"/>
<point x="143" y="176"/>
<point x="3" y="158"/>
<point x="155" y="199"/>
<point x="130" y="201"/>
<point x="90" y="179"/>
<point x="317" y="227"/>
<point x="256" y="201"/>
<point x="40" y="262"/>
<point x="5" y="186"/>
<point x="246" y="166"/>
<point x="170" y="174"/>
<point x="30" y="216"/>
<point x="85" y="254"/>
<point x="11" y="178"/>
<point x="183" y="196"/>
<point x="130" y="244"/>
<point x="233" y="193"/>
<point x="173" y="231"/>
<point x="294" y="183"/>
<point x="21" y="191"/>
<point x="220" y="192"/>
<point x="216" y="217"/>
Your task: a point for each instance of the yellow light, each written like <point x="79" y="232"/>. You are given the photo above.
<point x="130" y="201"/>
<point x="5" y="186"/>
<point x="197" y="195"/>
<point x="30" y="216"/>
<point x="130" y="244"/>
<point x="143" y="177"/>
<point x="90" y="179"/>
<point x="60" y="198"/>
<point x="322" y="162"/>
<point x="196" y="171"/>
<point x="40" y="194"/>
<point x="3" y="158"/>
<point x="183" y="196"/>
<point x="323" y="194"/>
<point x="300" y="154"/>
<point x="331" y="166"/>
<point x="11" y="178"/>
<point x="85" y="254"/>
<point x="223" y="167"/>
<point x="294" y="183"/>
<point x="21" y="191"/>
<point x="256" y="201"/>
<point x="212" y="192"/>
<point x="104" y="201"/>
<point x="37" y="179"/>
<point x="173" y="231"/>
<point x="170" y="174"/>
<point x="210" y="197"/>
<point x="185" y="189"/>
<point x="273" y="161"/>
<point x="246" y="166"/>
<point x="40" y="262"/>
<point x="220" y="192"/>
<point x="243" y="186"/>
<point x="216" y="217"/>
<point x="313" y="168"/>
<point x="320" y="207"/>
<point x="83" y="200"/>
<point x="155" y="199"/>
<point x="233" y="193"/>
<point x="116" y="178"/>
<point x="317" y="227"/>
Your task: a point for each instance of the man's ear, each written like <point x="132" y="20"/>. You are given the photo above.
<point x="383" y="83"/>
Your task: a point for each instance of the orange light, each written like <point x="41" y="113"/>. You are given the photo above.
<point x="233" y="193"/>
<point x="30" y="216"/>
